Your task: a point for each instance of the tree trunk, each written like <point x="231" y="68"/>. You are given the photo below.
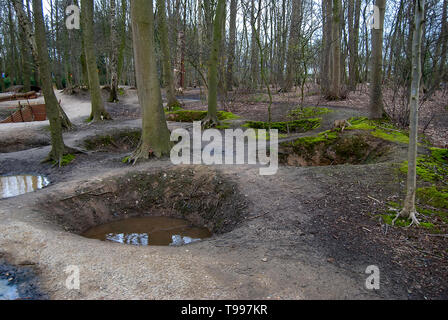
<point x="327" y="6"/>
<point x="98" y="111"/>
<point x="57" y="143"/>
<point x="212" y="116"/>
<point x="335" y="90"/>
<point x="293" y="46"/>
<point x="155" y="137"/>
<point x="409" y="209"/>
<point x="166" y="58"/>
<point x="232" y="43"/>
<point x="376" y="91"/>
<point x="113" y="97"/>
<point x="353" y="17"/>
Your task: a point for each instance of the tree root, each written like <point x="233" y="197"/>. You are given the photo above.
<point x="57" y="160"/>
<point x="210" y="122"/>
<point x="143" y="151"/>
<point x="103" y="116"/>
<point x="411" y="214"/>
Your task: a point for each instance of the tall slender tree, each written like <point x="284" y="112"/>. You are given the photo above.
<point x="58" y="148"/>
<point x="293" y="46"/>
<point x="155" y="139"/>
<point x="99" y="112"/>
<point x="113" y="97"/>
<point x="409" y="209"/>
<point x="166" y="56"/>
<point x="232" y="44"/>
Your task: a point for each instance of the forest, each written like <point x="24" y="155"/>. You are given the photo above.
<point x="223" y="149"/>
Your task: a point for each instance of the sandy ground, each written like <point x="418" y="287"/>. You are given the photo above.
<point x="284" y="249"/>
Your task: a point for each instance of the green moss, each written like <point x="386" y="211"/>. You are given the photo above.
<point x="379" y="128"/>
<point x="224" y="115"/>
<point x="392" y="136"/>
<point x="401" y="222"/>
<point x="433" y="196"/>
<point x="66" y="160"/>
<point x="288" y="126"/>
<point x="174" y="108"/>
<point x="309" y="143"/>
<point x="404" y="222"/>
<point x="121" y="92"/>
<point x="440" y="155"/>
<point x="267" y="136"/>
<point x="308" y="112"/>
<point x="197" y="115"/>
<point x="125" y="160"/>
<point x="431" y="168"/>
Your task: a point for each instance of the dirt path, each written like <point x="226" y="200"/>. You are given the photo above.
<point x="303" y="236"/>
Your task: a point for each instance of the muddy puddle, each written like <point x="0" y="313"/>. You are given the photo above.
<point x="8" y="291"/>
<point x="149" y="231"/>
<point x="13" y="186"/>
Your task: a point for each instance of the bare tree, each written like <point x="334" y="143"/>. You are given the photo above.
<point x="409" y="209"/>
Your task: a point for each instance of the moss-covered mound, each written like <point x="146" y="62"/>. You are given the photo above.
<point x="380" y="128"/>
<point x="197" y="115"/>
<point x="333" y="148"/>
<point x="295" y="126"/>
<point x="308" y="112"/>
<point x="118" y="142"/>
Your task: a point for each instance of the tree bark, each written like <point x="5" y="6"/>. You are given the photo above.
<point x="232" y="43"/>
<point x="155" y="139"/>
<point x="58" y="148"/>
<point x="212" y="115"/>
<point x="293" y="46"/>
<point x="335" y="92"/>
<point x="113" y="97"/>
<point x="166" y="57"/>
<point x="409" y="209"/>
<point x="376" y="91"/>
<point x="98" y="113"/>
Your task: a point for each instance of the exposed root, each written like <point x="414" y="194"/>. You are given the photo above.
<point x="210" y="122"/>
<point x="143" y="151"/>
<point x="103" y="116"/>
<point x="57" y="160"/>
<point x="411" y="214"/>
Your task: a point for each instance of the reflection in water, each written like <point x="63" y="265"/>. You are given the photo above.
<point x="16" y="185"/>
<point x="7" y="291"/>
<point x="149" y="231"/>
